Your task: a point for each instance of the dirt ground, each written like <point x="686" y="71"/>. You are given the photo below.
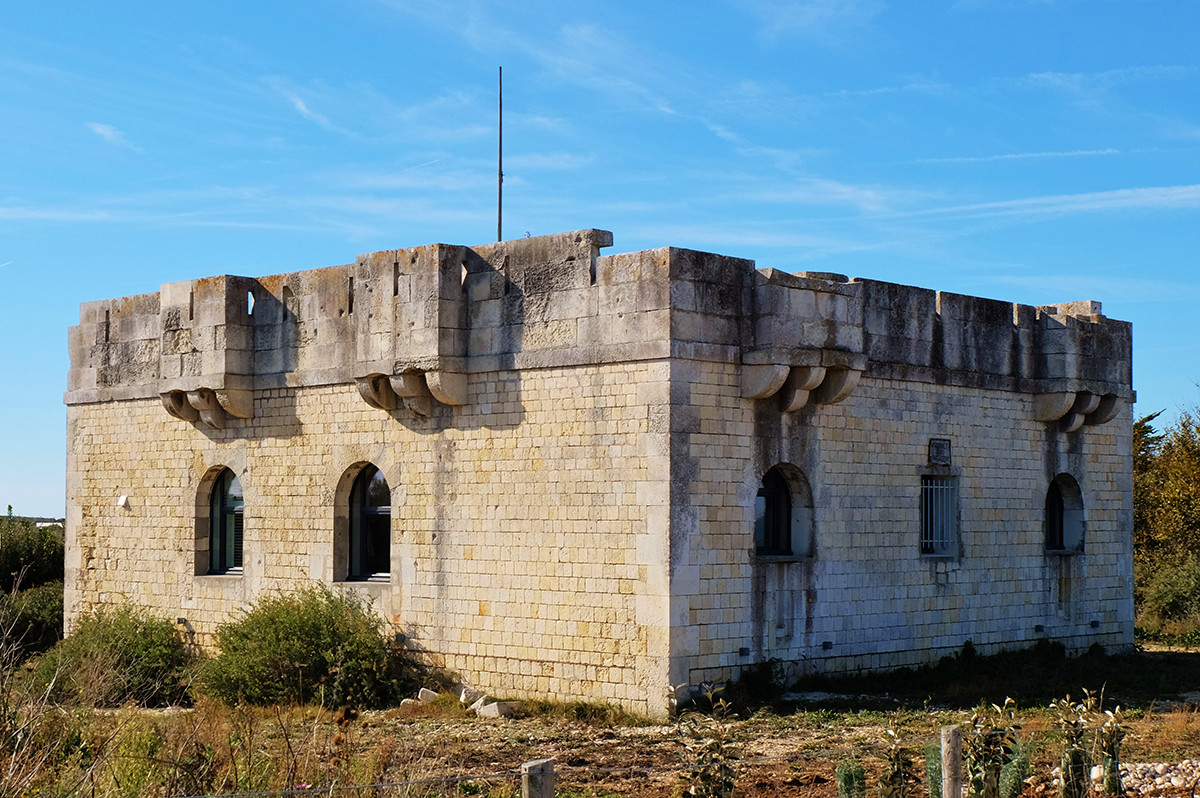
<point x="781" y="753"/>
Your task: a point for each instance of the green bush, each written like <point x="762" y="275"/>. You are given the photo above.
<point x="312" y="645"/>
<point x="32" y="619"/>
<point x="29" y="556"/>
<point x="116" y="656"/>
<point x="1168" y="593"/>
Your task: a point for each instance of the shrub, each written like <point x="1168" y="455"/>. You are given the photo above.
<point x="116" y="656"/>
<point x="1168" y="592"/>
<point x="29" y="556"/>
<point x="32" y="619"/>
<point x="309" y="645"/>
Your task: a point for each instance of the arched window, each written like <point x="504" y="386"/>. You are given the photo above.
<point x="370" y="526"/>
<point x="1064" y="515"/>
<point x="226" y="524"/>
<point x="783" y="514"/>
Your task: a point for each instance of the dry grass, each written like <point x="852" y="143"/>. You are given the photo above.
<point x="599" y="750"/>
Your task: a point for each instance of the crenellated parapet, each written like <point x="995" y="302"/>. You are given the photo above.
<point x="1083" y="365"/>
<point x="815" y="335"/>
<point x="808" y="339"/>
<point x="409" y="328"/>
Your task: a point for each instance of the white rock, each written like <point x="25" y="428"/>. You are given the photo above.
<point x="478" y="705"/>
<point x="409" y="703"/>
<point x="1178" y="781"/>
<point x="1097" y="773"/>
<point x="1161" y="770"/>
<point x="426" y="696"/>
<point x="470" y="695"/>
<point x="498" y="709"/>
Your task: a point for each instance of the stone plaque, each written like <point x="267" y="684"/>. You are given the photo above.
<point x="939" y="451"/>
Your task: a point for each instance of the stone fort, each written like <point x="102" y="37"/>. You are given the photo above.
<point x="586" y="476"/>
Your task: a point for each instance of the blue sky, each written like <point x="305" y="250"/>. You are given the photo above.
<point x="1029" y="151"/>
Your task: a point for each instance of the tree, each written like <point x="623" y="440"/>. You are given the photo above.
<point x="1166" y="474"/>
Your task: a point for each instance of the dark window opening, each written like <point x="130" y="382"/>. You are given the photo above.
<point x="226" y="519"/>
<point x="350" y="297"/>
<point x="1064" y="515"/>
<point x="773" y="516"/>
<point x="370" y="526"/>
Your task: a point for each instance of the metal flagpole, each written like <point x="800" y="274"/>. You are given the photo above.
<point x="500" y="158"/>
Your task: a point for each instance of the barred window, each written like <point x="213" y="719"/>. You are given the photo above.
<point x="225" y="524"/>
<point x="939" y="516"/>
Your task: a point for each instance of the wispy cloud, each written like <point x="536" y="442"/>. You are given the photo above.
<point x="549" y="161"/>
<point x="1125" y="289"/>
<point x="284" y="88"/>
<point x="923" y="87"/>
<point x="112" y="136"/>
<point x="1016" y="156"/>
<point x="817" y="191"/>
<point x="1033" y="208"/>
<point x="1002" y="3"/>
<point x="320" y="119"/>
<point x="1081" y="83"/>
<point x="814" y="19"/>
<point x="728" y="237"/>
<point x="52" y="214"/>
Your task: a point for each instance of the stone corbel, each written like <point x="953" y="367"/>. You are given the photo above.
<point x="1073" y="409"/>
<point x="761" y="381"/>
<point x="376" y="390"/>
<point x="837" y="385"/>
<point x="822" y="385"/>
<point x="800" y="383"/>
<point x="1106" y="411"/>
<point x="448" y="387"/>
<point x="211" y="412"/>
<point x="237" y="403"/>
<point x="207" y="406"/>
<point x="413" y="392"/>
<point x="177" y="405"/>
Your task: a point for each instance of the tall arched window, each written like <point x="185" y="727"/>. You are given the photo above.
<point x="370" y="526"/>
<point x="773" y="515"/>
<point x="1064" y="515"/>
<point x="225" y="520"/>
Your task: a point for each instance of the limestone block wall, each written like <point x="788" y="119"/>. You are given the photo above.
<point x="525" y="554"/>
<point x="867" y="598"/>
<point x="575" y="443"/>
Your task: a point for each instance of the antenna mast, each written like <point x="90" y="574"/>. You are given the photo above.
<point x="500" y="158"/>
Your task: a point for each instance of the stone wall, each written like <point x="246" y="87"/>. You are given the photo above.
<point x="522" y="554"/>
<point x="867" y="598"/>
<point x="575" y="444"/>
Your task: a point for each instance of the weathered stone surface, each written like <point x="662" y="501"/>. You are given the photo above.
<point x="575" y="447"/>
<point x="426" y="696"/>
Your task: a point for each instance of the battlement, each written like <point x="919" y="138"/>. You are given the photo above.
<point x="409" y="327"/>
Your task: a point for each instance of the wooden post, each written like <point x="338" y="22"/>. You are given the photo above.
<point x="537" y="779"/>
<point x="952" y="775"/>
